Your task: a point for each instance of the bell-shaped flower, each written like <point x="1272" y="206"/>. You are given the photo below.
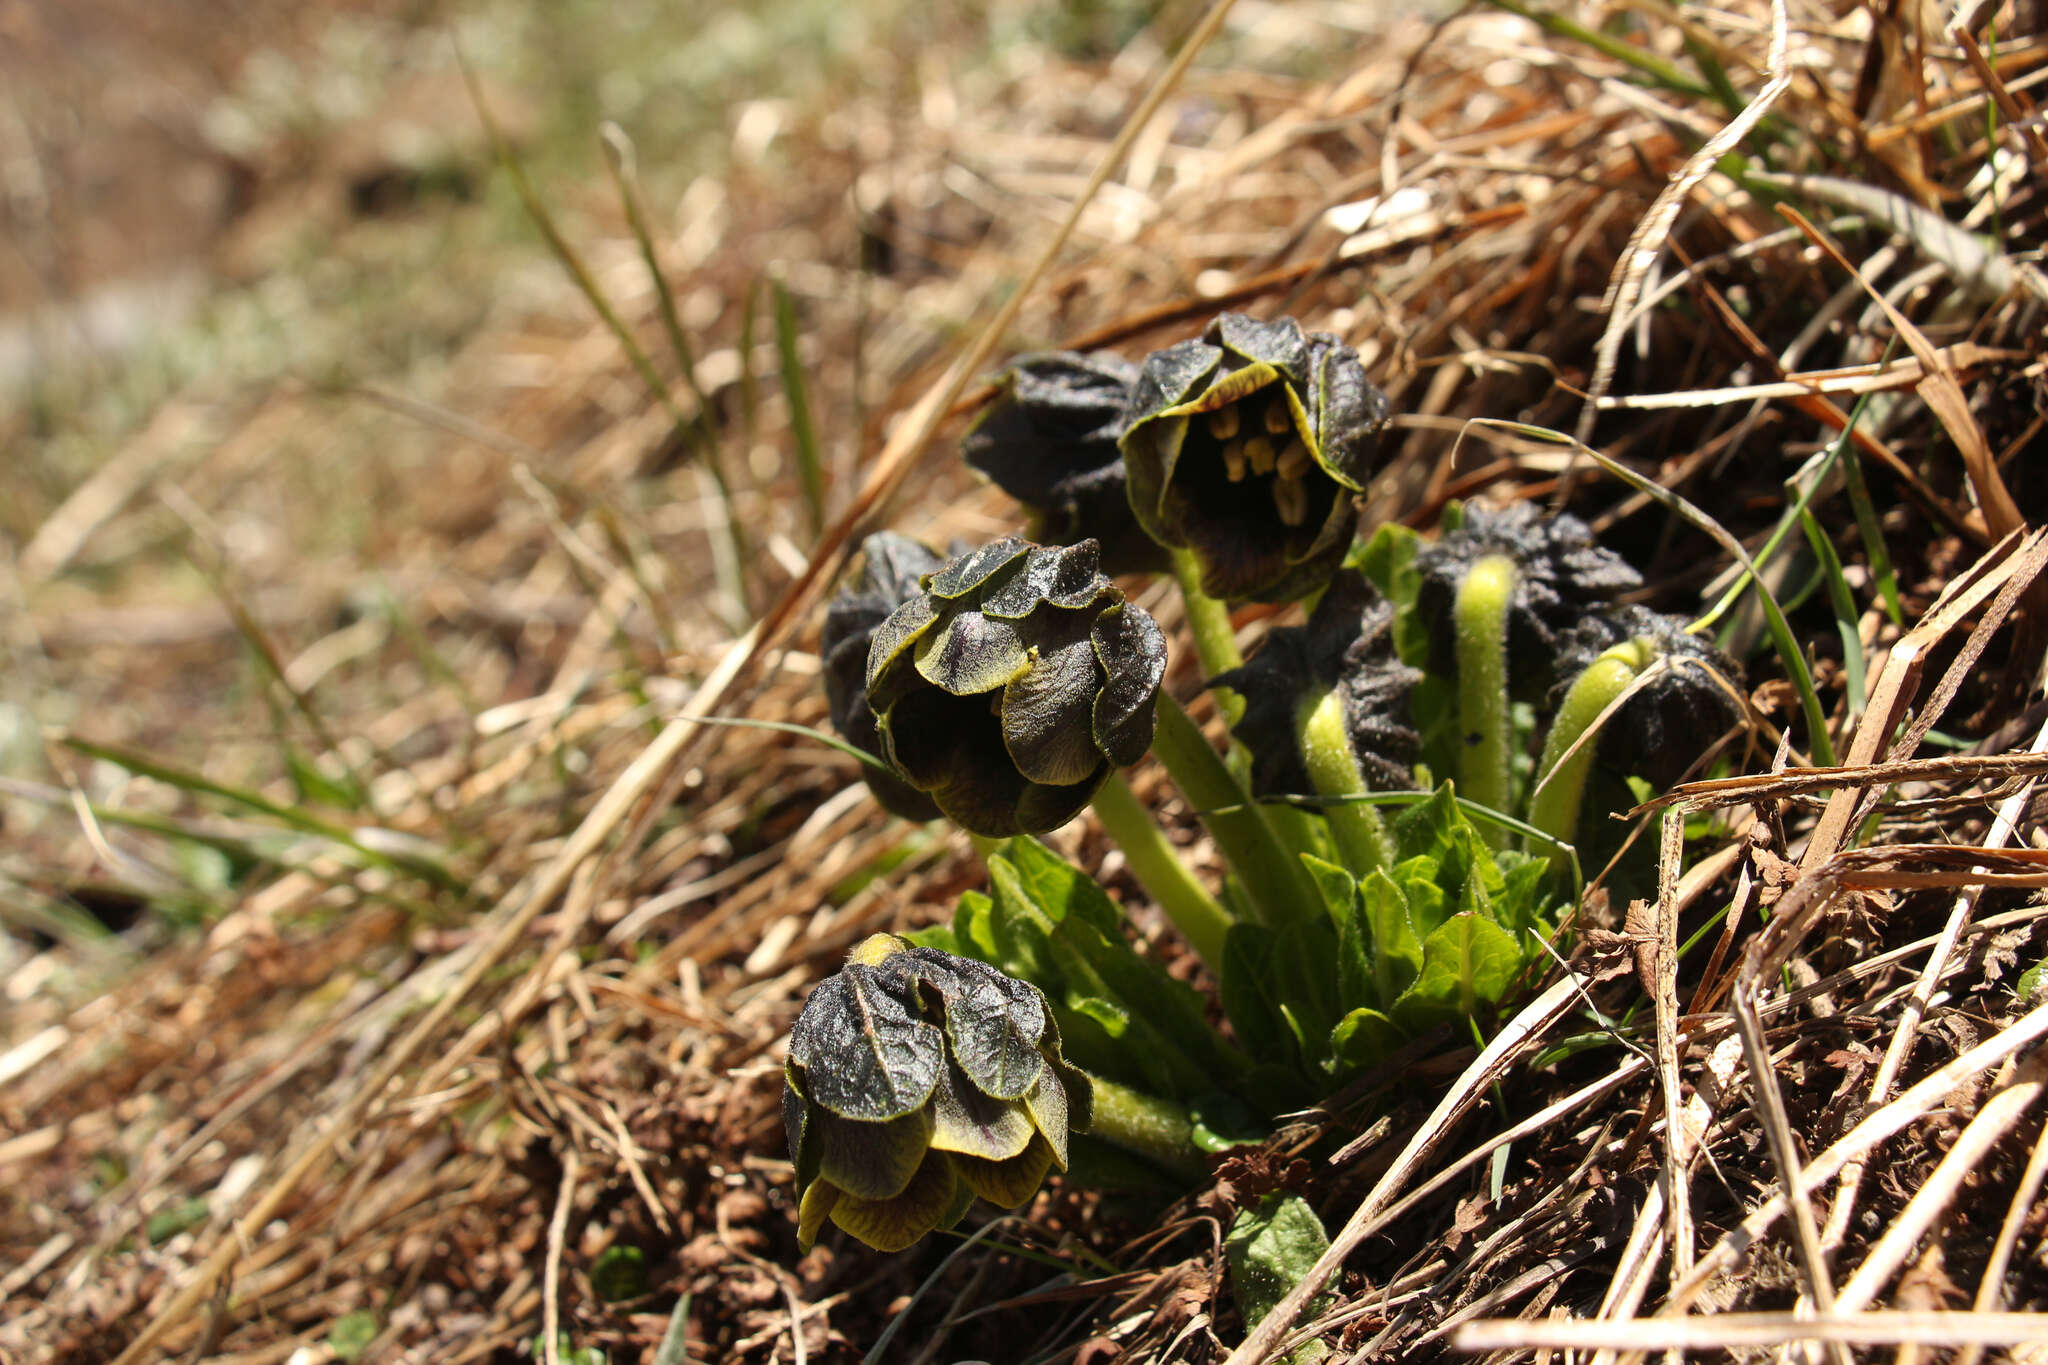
<point x="1049" y="440"/>
<point x="891" y="573"/>
<point x="1010" y="687"/>
<point x="917" y="1080"/>
<point x="1346" y="647"/>
<point x="1247" y="447"/>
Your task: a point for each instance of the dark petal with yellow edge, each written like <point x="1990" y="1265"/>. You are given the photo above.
<point x="812" y="1211"/>
<point x="969" y="653"/>
<point x="1046" y="1103"/>
<point x="973" y="1124"/>
<point x="1131" y="652"/>
<point x="872" y="1160"/>
<point x="863" y="1054"/>
<point x="895" y="1224"/>
<point x="1009" y="1183"/>
<point x="994" y="1035"/>
<point x="1048" y="710"/>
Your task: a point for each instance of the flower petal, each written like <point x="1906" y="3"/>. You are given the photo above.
<point x="965" y="1120"/>
<point x="974" y="569"/>
<point x="969" y="653"/>
<point x="1047" y="710"/>
<point x="1058" y="576"/>
<point x="863" y="1054"/>
<point x="994" y="1034"/>
<point x="1132" y="653"/>
<point x="872" y="1160"/>
<point x="1046" y="1103"/>
<point x="1011" y="1182"/>
<point x="895" y="1224"/>
<point x="811" y="1212"/>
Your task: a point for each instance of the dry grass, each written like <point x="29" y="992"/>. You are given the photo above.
<point x="512" y="998"/>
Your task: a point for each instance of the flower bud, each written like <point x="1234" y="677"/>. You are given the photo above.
<point x="1553" y="574"/>
<point x="1246" y="448"/>
<point x="892" y="566"/>
<point x="1669" y="722"/>
<point x="917" y="1080"/>
<point x="1049" y="440"/>
<point x="1348" y="646"/>
<point x="1008" y="688"/>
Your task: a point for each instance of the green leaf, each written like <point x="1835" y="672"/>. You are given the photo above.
<point x="1396" y="944"/>
<point x="2030" y="982"/>
<point x="1467" y="962"/>
<point x="350" y="1335"/>
<point x="1223" y="1123"/>
<point x="1059" y="888"/>
<point x="1167" y="1037"/>
<point x="618" y="1273"/>
<point x="1424" y="829"/>
<point x="1271" y="1248"/>
<point x="316" y="787"/>
<point x="974" y="930"/>
<point x="1340" y="891"/>
<point x="1248" y="996"/>
<point x="1362" y="1038"/>
<point x="1424" y="893"/>
<point x="1524" y="895"/>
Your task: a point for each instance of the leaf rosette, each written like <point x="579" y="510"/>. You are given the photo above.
<point x="1246" y="448"/>
<point x="1009" y="688"/>
<point x="1049" y="440"/>
<point x="916" y="1081"/>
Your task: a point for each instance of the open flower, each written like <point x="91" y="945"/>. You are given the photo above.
<point x="917" y="1080"/>
<point x="1008" y="688"/>
<point x="1049" y="440"/>
<point x="892" y="568"/>
<point x="1346" y="647"/>
<point x="1246" y="448"/>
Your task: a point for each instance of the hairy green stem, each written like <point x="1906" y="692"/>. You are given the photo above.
<point x="1356" y="828"/>
<point x="1202" y="921"/>
<point x="1275" y="882"/>
<point x="1209" y="623"/>
<point x="1561" y="776"/>
<point x="1145" y="1124"/>
<point x="1484" y="718"/>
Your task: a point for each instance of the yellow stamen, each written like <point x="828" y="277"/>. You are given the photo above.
<point x="1294" y="461"/>
<point x="1223" y="422"/>
<point x="1290" y="499"/>
<point x="1279" y="417"/>
<point x="1261" y="451"/>
<point x="1233" y="460"/>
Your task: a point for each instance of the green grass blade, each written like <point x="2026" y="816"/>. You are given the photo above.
<point x="1843" y="603"/>
<point x="1649" y="64"/>
<point x="1789" y="653"/>
<point x="810" y="469"/>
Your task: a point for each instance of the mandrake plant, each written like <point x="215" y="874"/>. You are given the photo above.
<point x="1414" y="779"/>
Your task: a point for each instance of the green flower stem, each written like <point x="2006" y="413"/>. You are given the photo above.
<point x="1216" y="646"/>
<point x="1561" y="780"/>
<point x="1209" y="622"/>
<point x="1274" y="881"/>
<point x="1483" y="715"/>
<point x="1356" y="828"/>
<point x="1196" y="913"/>
<point x="1145" y="1124"/>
